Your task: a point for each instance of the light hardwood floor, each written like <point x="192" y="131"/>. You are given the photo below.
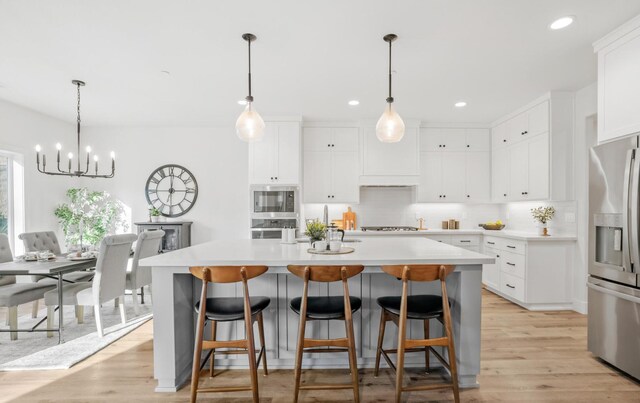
<point x="526" y="356"/>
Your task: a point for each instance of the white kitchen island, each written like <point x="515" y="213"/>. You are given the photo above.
<point x="175" y="292"/>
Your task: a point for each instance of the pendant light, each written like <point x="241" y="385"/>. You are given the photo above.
<point x="390" y="127"/>
<point x="249" y="126"/>
<point x="79" y="171"/>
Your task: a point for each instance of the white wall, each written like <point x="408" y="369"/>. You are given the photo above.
<point x="517" y="216"/>
<point x="585" y="138"/>
<point x="20" y="130"/>
<point x="215" y="155"/>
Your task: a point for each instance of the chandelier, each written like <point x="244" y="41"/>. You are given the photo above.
<point x="79" y="172"/>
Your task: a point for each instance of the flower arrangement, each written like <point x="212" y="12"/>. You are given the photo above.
<point x="315" y="230"/>
<point x="543" y="214"/>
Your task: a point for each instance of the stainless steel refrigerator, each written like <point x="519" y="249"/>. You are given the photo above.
<point x="614" y="254"/>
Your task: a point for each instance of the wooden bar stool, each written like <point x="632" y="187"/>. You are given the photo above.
<point x="225" y="310"/>
<point x="418" y="307"/>
<point x="326" y="308"/>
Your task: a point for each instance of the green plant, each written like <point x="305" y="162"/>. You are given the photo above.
<point x="543" y="214"/>
<point x="154" y="212"/>
<point x="315" y="230"/>
<point x="90" y="216"/>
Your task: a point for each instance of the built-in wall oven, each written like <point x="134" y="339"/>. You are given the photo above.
<point x="273" y="208"/>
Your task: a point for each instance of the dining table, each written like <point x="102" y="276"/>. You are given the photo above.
<point x="55" y="268"/>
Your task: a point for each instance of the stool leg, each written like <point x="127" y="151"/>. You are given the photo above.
<point x="141" y="295"/>
<point x="253" y="368"/>
<point x="383" y="322"/>
<point x="353" y="363"/>
<point x="426" y="349"/>
<point x="300" y="347"/>
<point x="264" y="350"/>
<point x="214" y="327"/>
<point x="197" y="353"/>
<point x="453" y="367"/>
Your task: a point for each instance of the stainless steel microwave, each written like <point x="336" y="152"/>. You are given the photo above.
<point x="274" y="201"/>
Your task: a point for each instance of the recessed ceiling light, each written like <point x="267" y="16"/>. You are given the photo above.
<point x="354" y="102"/>
<point x="242" y="102"/>
<point x="562" y="22"/>
<point x="460" y="104"/>
<point x="165" y="72"/>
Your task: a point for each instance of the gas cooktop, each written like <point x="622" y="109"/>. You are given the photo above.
<point x="389" y="229"/>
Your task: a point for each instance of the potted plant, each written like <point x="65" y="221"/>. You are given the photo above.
<point x="316" y="230"/>
<point x="89" y="216"/>
<point x="543" y="215"/>
<point x="154" y="214"/>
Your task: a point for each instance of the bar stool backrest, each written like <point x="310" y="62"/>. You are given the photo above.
<point x="427" y="272"/>
<point x="227" y="274"/>
<point x="325" y="274"/>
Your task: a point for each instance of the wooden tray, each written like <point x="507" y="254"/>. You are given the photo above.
<point x="344" y="250"/>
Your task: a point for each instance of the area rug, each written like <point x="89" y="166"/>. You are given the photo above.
<point x="36" y="351"/>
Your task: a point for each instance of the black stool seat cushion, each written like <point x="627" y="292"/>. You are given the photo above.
<point x="325" y="308"/>
<point x="418" y="306"/>
<point x="223" y="309"/>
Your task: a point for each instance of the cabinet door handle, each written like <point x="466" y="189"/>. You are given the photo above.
<point x="510" y="264"/>
<point x="468" y="196"/>
<point x="272" y="178"/>
<point x="511" y="246"/>
<point x="504" y="140"/>
<point x="467" y="145"/>
<point x="497" y="255"/>
<point x="510" y="286"/>
<point x="465" y="241"/>
<point x="491" y="243"/>
<point x="444" y="146"/>
<point x="505" y="195"/>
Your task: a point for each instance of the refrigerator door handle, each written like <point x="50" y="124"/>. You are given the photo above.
<point x="614" y="293"/>
<point x="634" y="217"/>
<point x="626" y="251"/>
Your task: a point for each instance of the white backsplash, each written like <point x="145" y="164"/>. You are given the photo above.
<point x="381" y="206"/>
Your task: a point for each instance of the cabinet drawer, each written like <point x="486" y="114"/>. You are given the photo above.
<point x="465" y="240"/>
<point x="512" y="286"/>
<point x="514" y="246"/>
<point x="512" y="264"/>
<point x="440" y="238"/>
<point x="472" y="248"/>
<point x="492" y="242"/>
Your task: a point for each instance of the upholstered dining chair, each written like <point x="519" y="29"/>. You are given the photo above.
<point x="13" y="294"/>
<point x="47" y="240"/>
<point x="108" y="283"/>
<point x="148" y="244"/>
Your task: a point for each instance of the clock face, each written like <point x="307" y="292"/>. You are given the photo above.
<point x="172" y="189"/>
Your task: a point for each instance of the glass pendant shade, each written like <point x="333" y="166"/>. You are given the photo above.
<point x="390" y="127"/>
<point x="250" y="126"/>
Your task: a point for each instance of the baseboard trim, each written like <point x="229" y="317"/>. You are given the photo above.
<point x="580" y="306"/>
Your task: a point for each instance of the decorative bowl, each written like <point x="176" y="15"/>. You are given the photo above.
<point x="492" y="227"/>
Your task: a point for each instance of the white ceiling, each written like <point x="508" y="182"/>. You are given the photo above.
<point x="311" y="57"/>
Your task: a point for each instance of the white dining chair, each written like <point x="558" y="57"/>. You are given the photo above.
<point x="108" y="283"/>
<point x="13" y="294"/>
<point x="148" y="244"/>
<point x="47" y="240"/>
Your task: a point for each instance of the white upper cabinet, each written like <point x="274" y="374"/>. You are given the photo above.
<point x="455" y="165"/>
<point x="276" y="158"/>
<point x="331" y="165"/>
<point x="619" y="81"/>
<point x="390" y="159"/>
<point x="532" y="156"/>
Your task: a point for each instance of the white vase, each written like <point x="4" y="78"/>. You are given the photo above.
<point x="543" y="229"/>
<point x="155" y="218"/>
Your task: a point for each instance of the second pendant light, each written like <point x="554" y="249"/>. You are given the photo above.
<point x="390" y="127"/>
<point x="249" y="126"/>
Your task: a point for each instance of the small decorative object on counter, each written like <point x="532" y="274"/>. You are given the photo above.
<point x="421" y="224"/>
<point x="543" y="215"/>
<point x="452" y="223"/>
<point x="492" y="226"/>
<point x="349" y="220"/>
<point x="457" y="224"/>
<point x="316" y="230"/>
<point x="445" y="225"/>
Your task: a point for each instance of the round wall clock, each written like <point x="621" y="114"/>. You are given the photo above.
<point x="172" y="189"/>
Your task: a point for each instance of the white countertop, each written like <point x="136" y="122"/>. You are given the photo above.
<point x="369" y="252"/>
<point x="524" y="236"/>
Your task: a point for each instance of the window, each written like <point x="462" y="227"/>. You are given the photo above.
<point x="11" y="198"/>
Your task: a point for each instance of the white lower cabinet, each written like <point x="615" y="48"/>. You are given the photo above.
<point x="533" y="274"/>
